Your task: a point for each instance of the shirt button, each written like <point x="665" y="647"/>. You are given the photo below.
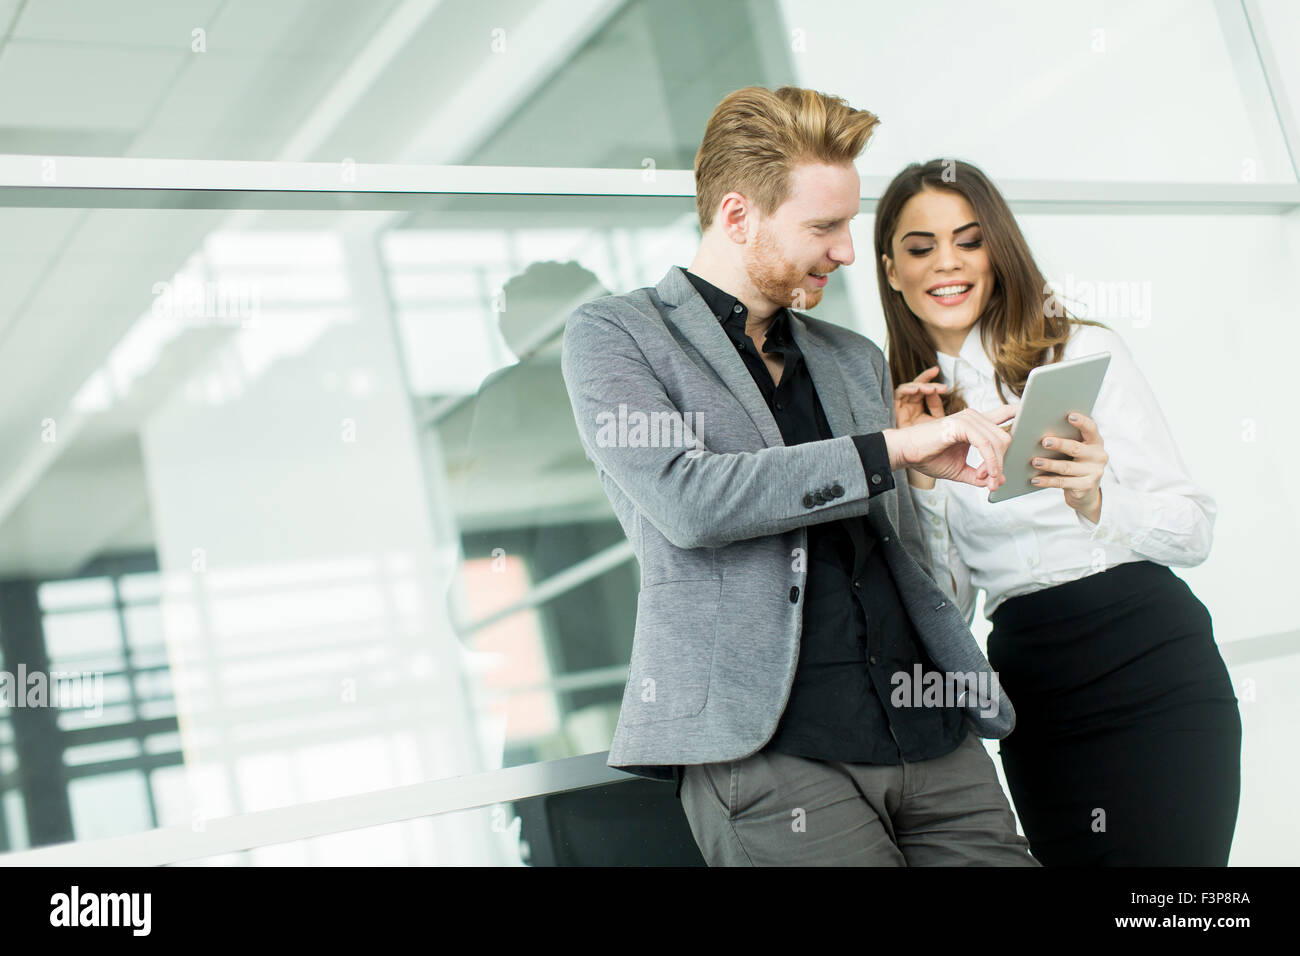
<point x="875" y="479"/>
<point x="741" y="346"/>
<point x="871" y="660"/>
<point x="779" y="406"/>
<point x="1032" y="561"/>
<point x="886" y="538"/>
<point x="857" y="584"/>
<point x="737" y="308"/>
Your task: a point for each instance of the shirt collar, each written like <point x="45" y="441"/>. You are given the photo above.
<point x="732" y="313"/>
<point x="970" y="357"/>
<point x="726" y="307"/>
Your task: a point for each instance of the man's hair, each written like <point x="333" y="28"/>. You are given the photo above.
<point x="756" y="136"/>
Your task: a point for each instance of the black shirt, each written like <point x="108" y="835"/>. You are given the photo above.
<point x="856" y="631"/>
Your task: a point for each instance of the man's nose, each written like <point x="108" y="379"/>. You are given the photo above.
<point x="843" y="252"/>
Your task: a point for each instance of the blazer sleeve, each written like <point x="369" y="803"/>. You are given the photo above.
<point x="695" y="497"/>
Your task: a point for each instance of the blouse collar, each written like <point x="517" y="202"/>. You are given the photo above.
<point x="970" y="357"/>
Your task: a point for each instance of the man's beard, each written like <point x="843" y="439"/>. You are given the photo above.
<point x="777" y="279"/>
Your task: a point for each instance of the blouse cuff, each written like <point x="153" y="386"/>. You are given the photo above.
<point x="1123" y="519"/>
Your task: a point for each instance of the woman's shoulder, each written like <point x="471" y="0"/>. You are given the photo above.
<point x="1090" y="339"/>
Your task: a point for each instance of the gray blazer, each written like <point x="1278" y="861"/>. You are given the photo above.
<point x="717" y="507"/>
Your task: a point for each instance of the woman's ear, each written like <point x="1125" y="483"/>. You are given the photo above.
<point x="890" y="275"/>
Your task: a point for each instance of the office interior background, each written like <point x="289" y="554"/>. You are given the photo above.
<point x="288" y="460"/>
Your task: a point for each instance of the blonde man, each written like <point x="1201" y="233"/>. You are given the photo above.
<point x="794" y="665"/>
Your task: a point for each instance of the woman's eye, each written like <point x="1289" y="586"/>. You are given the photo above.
<point x="972" y="244"/>
<point x="921" y="252"/>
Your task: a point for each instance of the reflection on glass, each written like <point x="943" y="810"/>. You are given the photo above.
<point x="330" y="545"/>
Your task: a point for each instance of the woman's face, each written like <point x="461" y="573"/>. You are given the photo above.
<point x="938" y="262"/>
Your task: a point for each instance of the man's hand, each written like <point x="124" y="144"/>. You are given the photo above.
<point x="940" y="448"/>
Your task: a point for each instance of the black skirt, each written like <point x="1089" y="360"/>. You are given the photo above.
<point x="1127" y="745"/>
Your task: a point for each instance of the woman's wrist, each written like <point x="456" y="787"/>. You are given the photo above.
<point x="918" y="480"/>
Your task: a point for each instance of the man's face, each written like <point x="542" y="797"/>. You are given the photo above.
<point x="793" y="251"/>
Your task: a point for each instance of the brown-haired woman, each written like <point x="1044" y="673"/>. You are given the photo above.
<point x="1127" y="746"/>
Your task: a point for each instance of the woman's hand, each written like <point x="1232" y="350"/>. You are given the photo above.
<point x="1079" y="476"/>
<point x="918" y="400"/>
<point x="915" y="402"/>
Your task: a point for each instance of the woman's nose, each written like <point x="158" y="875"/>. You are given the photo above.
<point x="947" y="258"/>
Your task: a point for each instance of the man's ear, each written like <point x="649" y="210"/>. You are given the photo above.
<point x="734" y="217"/>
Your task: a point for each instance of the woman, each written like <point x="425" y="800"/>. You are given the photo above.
<point x="1127" y="744"/>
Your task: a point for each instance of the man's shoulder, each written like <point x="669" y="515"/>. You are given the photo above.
<point x="618" y="307"/>
<point x="838" y="335"/>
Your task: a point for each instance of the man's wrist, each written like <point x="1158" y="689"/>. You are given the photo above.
<point x="894" y="444"/>
<point x="876" y="465"/>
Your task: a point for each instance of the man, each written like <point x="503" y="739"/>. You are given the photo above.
<point x="787" y="614"/>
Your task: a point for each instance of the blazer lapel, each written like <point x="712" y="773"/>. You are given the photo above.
<point x="698" y="325"/>
<point x="825" y="373"/>
<point x="687" y="312"/>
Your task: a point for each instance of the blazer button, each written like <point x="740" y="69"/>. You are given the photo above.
<point x="794" y="594"/>
<point x="819" y="497"/>
<point x="808" y="501"/>
<point x="837" y="491"/>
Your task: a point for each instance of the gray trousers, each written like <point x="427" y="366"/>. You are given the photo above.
<point x="775" y="809"/>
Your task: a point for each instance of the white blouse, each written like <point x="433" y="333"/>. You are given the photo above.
<point x="1150" y="507"/>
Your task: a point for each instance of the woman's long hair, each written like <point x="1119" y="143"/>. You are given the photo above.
<point x="1023" y="325"/>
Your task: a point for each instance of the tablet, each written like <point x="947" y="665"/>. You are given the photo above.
<point x="1051" y="393"/>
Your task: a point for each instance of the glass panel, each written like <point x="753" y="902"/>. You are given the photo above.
<point x="140" y="587"/>
<point x="71" y="635"/>
<point x="1043" y="91"/>
<point x="75" y="593"/>
<point x="632" y="823"/>
<point x="356" y="546"/>
<point x="1050" y="91"/>
<point x="109" y="805"/>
